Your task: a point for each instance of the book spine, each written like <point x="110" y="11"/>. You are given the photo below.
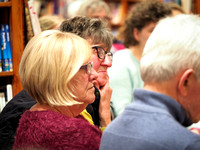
<point x="2" y="97"/>
<point x="34" y="18"/>
<point x="29" y="29"/>
<point x="9" y="92"/>
<point x="0" y="59"/>
<point x="5" y="65"/>
<point x="9" y="53"/>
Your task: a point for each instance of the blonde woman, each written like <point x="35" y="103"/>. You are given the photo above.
<point x="56" y="72"/>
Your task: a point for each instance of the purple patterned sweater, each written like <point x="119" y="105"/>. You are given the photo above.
<point x="51" y="130"/>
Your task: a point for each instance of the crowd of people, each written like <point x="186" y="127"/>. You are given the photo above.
<point x="80" y="92"/>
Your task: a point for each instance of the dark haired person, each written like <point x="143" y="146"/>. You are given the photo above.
<point x="125" y="73"/>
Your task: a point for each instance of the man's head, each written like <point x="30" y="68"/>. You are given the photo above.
<point x="96" y="33"/>
<point x="172" y="54"/>
<point x="144" y="14"/>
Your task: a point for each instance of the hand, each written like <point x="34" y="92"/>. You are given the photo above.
<point x="104" y="105"/>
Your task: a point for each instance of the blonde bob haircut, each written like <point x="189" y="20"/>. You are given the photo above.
<point x="49" y="62"/>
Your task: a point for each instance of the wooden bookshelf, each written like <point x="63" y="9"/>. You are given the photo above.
<point x="4" y="74"/>
<point x="122" y="8"/>
<point x="197" y="6"/>
<point x="5" y="4"/>
<point x="12" y="13"/>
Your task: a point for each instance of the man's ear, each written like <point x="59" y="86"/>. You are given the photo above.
<point x="136" y="34"/>
<point x="184" y="81"/>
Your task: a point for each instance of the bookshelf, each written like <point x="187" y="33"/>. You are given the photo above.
<point x="124" y="6"/>
<point x="197" y="6"/>
<point x="11" y="13"/>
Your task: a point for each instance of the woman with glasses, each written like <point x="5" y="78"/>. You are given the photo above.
<point x="100" y="39"/>
<point x="56" y="71"/>
<point x="97" y="113"/>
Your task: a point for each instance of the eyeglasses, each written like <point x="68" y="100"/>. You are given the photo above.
<point x="102" y="53"/>
<point x="87" y="67"/>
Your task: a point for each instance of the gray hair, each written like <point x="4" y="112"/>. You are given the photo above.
<point x="94" y="5"/>
<point x="172" y="47"/>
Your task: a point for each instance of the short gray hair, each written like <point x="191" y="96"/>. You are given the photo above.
<point x="172" y="47"/>
<point x="94" y="5"/>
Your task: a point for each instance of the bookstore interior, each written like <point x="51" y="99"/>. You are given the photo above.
<point x="19" y="22"/>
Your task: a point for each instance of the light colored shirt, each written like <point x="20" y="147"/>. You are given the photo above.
<point x="124" y="78"/>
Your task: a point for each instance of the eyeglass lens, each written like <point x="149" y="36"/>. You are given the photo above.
<point x="87" y="67"/>
<point x="102" y="53"/>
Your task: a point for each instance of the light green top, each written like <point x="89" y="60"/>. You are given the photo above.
<point x="124" y="78"/>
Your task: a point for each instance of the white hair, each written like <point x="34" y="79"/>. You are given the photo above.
<point x="172" y="47"/>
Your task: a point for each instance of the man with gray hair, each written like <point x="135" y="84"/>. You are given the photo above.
<point x="170" y="99"/>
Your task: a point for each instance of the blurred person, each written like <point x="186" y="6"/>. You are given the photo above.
<point x="101" y="10"/>
<point x="170" y="99"/>
<point x="49" y="22"/>
<point x="125" y="73"/>
<point x="95" y="9"/>
<point x="61" y="81"/>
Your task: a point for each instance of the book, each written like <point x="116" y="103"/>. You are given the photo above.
<point x="9" y="93"/>
<point x="4" y="56"/>
<point x="2" y="97"/>
<point x="34" y="18"/>
<point x="8" y="48"/>
<point x="2" y="101"/>
<point x="28" y="27"/>
<point x="0" y="62"/>
<point x="5" y="95"/>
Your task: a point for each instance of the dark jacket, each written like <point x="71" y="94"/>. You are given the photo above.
<point x="9" y="117"/>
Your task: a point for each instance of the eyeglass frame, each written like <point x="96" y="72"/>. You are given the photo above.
<point x="105" y="52"/>
<point x="87" y="67"/>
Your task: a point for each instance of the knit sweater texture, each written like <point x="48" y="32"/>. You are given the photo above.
<point x="51" y="130"/>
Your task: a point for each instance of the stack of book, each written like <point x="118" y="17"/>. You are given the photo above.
<point x="6" y="54"/>
<point x="5" y="95"/>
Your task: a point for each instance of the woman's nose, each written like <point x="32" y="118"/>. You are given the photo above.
<point x="93" y="75"/>
<point x="107" y="61"/>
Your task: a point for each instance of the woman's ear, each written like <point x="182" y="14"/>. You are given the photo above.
<point x="184" y="81"/>
<point x="136" y="33"/>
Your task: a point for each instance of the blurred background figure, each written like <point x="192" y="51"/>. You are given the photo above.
<point x="125" y="72"/>
<point x="49" y="22"/>
<point x="101" y="10"/>
<point x="95" y="9"/>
